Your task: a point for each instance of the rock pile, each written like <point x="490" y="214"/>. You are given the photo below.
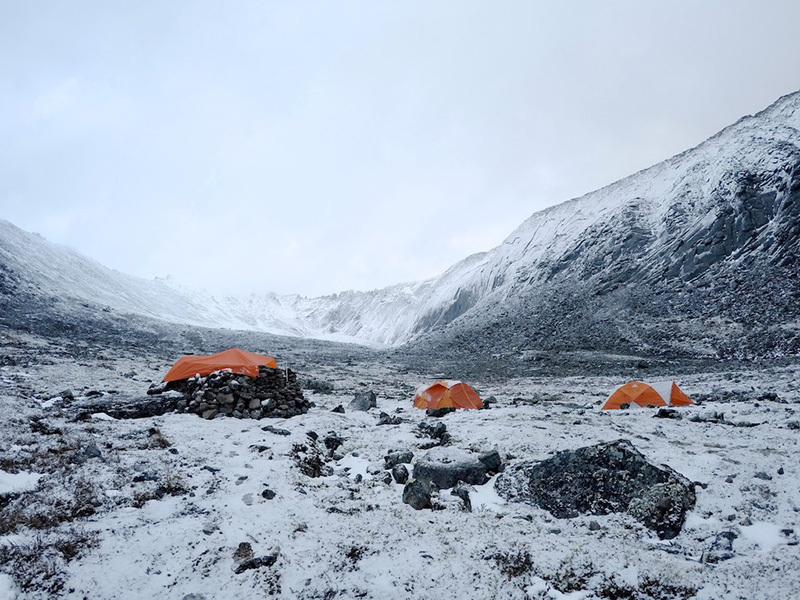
<point x="274" y="394"/>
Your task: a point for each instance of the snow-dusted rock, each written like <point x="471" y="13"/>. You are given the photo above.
<point x="446" y="466"/>
<point x="601" y="479"/>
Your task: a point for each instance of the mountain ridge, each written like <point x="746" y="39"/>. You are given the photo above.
<point x="733" y="197"/>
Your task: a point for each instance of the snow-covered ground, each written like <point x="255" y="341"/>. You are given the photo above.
<point x="172" y="498"/>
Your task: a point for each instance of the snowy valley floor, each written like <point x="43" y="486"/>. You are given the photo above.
<point x="159" y="507"/>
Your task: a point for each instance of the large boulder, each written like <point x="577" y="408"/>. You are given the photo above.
<point x="601" y="479"/>
<point x="445" y="466"/>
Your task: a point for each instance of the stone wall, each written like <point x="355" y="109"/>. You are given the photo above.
<point x="274" y="393"/>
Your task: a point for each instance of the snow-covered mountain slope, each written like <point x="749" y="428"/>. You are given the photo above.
<point x="700" y="253"/>
<point x="705" y="242"/>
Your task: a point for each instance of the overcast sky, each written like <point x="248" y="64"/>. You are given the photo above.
<point x="314" y="147"/>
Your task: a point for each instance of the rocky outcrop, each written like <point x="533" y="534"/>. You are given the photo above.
<point x="601" y="479"/>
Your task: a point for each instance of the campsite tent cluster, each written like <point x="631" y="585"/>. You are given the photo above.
<point x="438" y="395"/>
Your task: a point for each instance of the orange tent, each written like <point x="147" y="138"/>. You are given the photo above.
<point x="638" y="393"/>
<point x="238" y="361"/>
<point x="447" y="394"/>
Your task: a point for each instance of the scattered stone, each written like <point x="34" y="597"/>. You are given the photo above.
<point x="446" y="466"/>
<point x="729" y="479"/>
<point x="399" y="474"/>
<point x="268" y="494"/>
<point x="363" y="402"/>
<point x="276" y="430"/>
<point x="601" y="479"/>
<point x="396" y="457"/>
<point x="462" y="490"/>
<point x="243" y="552"/>
<point x="386" y="477"/>
<point x="667" y="413"/>
<point x="339" y="409"/>
<point x="385" y="419"/>
<point x="439" y="412"/>
<point x="313" y="435"/>
<point x="87" y="453"/>
<point x="763" y="475"/>
<point x="781" y="471"/>
<point x="248" y="499"/>
<point x="310" y="460"/>
<point x="746" y="522"/>
<point x="210" y="527"/>
<point x="417" y="494"/>
<point x="332" y="441"/>
<point x="594" y="526"/>
<point x="194" y="597"/>
<point x="436" y="431"/>
<point x="67" y="395"/>
<point x="256" y="563"/>
<point x="487" y="403"/>
<point x="793" y="424"/>
<point x="492" y="460"/>
<point x="721" y="549"/>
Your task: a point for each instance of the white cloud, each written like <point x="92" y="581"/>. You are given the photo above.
<point x="311" y="147"/>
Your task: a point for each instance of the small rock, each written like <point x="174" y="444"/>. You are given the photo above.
<point x="210" y="527"/>
<point x="397" y="457"/>
<point x="746" y="522"/>
<point x="339" y="409"/>
<point x="417" y="494"/>
<point x="385" y="419"/>
<point x="268" y="494"/>
<point x="667" y="413"/>
<point x="248" y="499"/>
<point x="729" y="479"/>
<point x="462" y="490"/>
<point x="492" y="461"/>
<point x="439" y="412"/>
<point x="763" y="475"/>
<point x="332" y="441"/>
<point x="781" y="471"/>
<point x="67" y="395"/>
<point x="243" y="552"/>
<point x="594" y="526"/>
<point x="256" y="563"/>
<point x="276" y="430"/>
<point x="400" y="474"/>
<point x="363" y="402"/>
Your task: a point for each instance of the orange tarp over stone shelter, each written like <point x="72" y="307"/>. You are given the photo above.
<point x="447" y="394"/>
<point x="238" y="361"/>
<point x="666" y="393"/>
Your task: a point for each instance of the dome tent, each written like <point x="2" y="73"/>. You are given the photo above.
<point x="237" y="361"/>
<point x="446" y="394"/>
<point x="638" y="393"/>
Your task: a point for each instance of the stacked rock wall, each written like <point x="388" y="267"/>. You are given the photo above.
<point x="274" y="393"/>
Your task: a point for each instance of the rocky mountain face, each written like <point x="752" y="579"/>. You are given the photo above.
<point x="696" y="256"/>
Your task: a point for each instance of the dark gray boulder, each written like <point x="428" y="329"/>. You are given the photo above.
<point x="601" y="479"/>
<point x="417" y="494"/>
<point x="400" y="473"/>
<point x="446" y="466"/>
<point x="364" y="402"/>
